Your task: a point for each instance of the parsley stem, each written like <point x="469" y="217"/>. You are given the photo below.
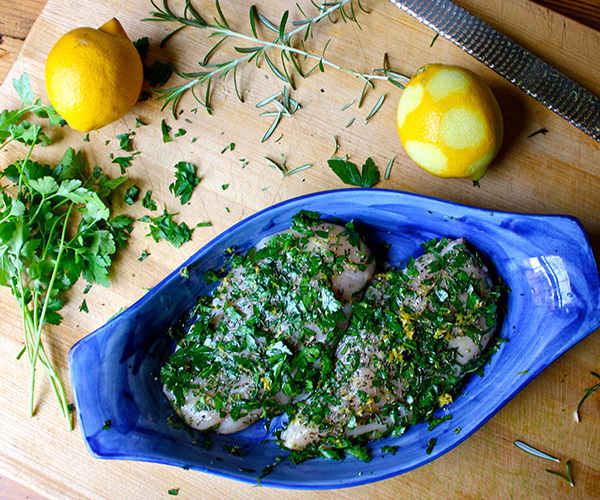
<point x="33" y="328"/>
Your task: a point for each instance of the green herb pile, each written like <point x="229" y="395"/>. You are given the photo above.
<point x="55" y="227"/>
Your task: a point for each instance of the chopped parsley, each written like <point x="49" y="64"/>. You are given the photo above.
<point x="131" y="194"/>
<point x="148" y="202"/>
<point x="185" y="181"/>
<point x="163" y="227"/>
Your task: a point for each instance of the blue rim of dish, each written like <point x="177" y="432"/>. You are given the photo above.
<point x="96" y="441"/>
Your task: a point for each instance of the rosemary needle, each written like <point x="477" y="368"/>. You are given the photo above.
<point x="388" y="169"/>
<point x="587" y="393"/>
<point x="535" y="452"/>
<point x="336" y="145"/>
<point x="378" y="105"/>
<point x="348" y="105"/>
<point x="567" y="477"/>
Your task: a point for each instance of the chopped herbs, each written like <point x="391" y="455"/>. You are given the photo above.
<point x="106" y="426"/>
<point x="284" y="106"/>
<point x="173" y="491"/>
<point x="148" y="202"/>
<point x="378" y="105"/>
<point x="542" y="131"/>
<point x="185" y="181"/>
<point x="131" y="194"/>
<point x="388" y="169"/>
<point x="158" y="73"/>
<point x="204" y="224"/>
<point x="142" y="45"/>
<point x="348" y="172"/>
<point x="125" y="141"/>
<point x="163" y="227"/>
<point x="430" y="445"/>
<point x="124" y="162"/>
<point x="83" y="307"/>
<point x="568" y="476"/>
<point x="143" y="256"/>
<point x="165" y="129"/>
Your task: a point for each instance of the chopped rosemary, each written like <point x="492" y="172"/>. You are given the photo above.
<point x="348" y="105"/>
<point x="282" y="169"/>
<point x="542" y="131"/>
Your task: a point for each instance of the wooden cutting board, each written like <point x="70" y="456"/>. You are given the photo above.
<point x="556" y="172"/>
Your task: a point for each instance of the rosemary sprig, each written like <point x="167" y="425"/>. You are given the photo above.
<point x="586" y="395"/>
<point x="256" y="49"/>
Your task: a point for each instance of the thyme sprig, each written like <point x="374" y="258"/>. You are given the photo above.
<point x="257" y="49"/>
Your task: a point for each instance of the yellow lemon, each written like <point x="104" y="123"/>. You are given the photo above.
<point x="449" y="122"/>
<point x="94" y="76"/>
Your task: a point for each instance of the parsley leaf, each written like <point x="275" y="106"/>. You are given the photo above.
<point x="185" y="181"/>
<point x="148" y="202"/>
<point x="131" y="195"/>
<point x="158" y="74"/>
<point x="163" y="227"/>
<point x="348" y="172"/>
<point x="165" y="129"/>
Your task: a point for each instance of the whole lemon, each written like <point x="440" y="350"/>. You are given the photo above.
<point x="94" y="76"/>
<point x="449" y="122"/>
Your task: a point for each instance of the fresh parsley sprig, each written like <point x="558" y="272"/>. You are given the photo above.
<point x="54" y="229"/>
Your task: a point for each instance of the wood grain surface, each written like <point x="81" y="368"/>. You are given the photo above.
<point x="556" y="172"/>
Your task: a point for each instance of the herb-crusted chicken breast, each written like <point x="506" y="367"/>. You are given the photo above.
<point x="300" y="325"/>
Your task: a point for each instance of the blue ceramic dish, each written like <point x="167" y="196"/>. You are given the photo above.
<point x="554" y="303"/>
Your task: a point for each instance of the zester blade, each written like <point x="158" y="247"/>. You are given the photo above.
<point x="510" y="60"/>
